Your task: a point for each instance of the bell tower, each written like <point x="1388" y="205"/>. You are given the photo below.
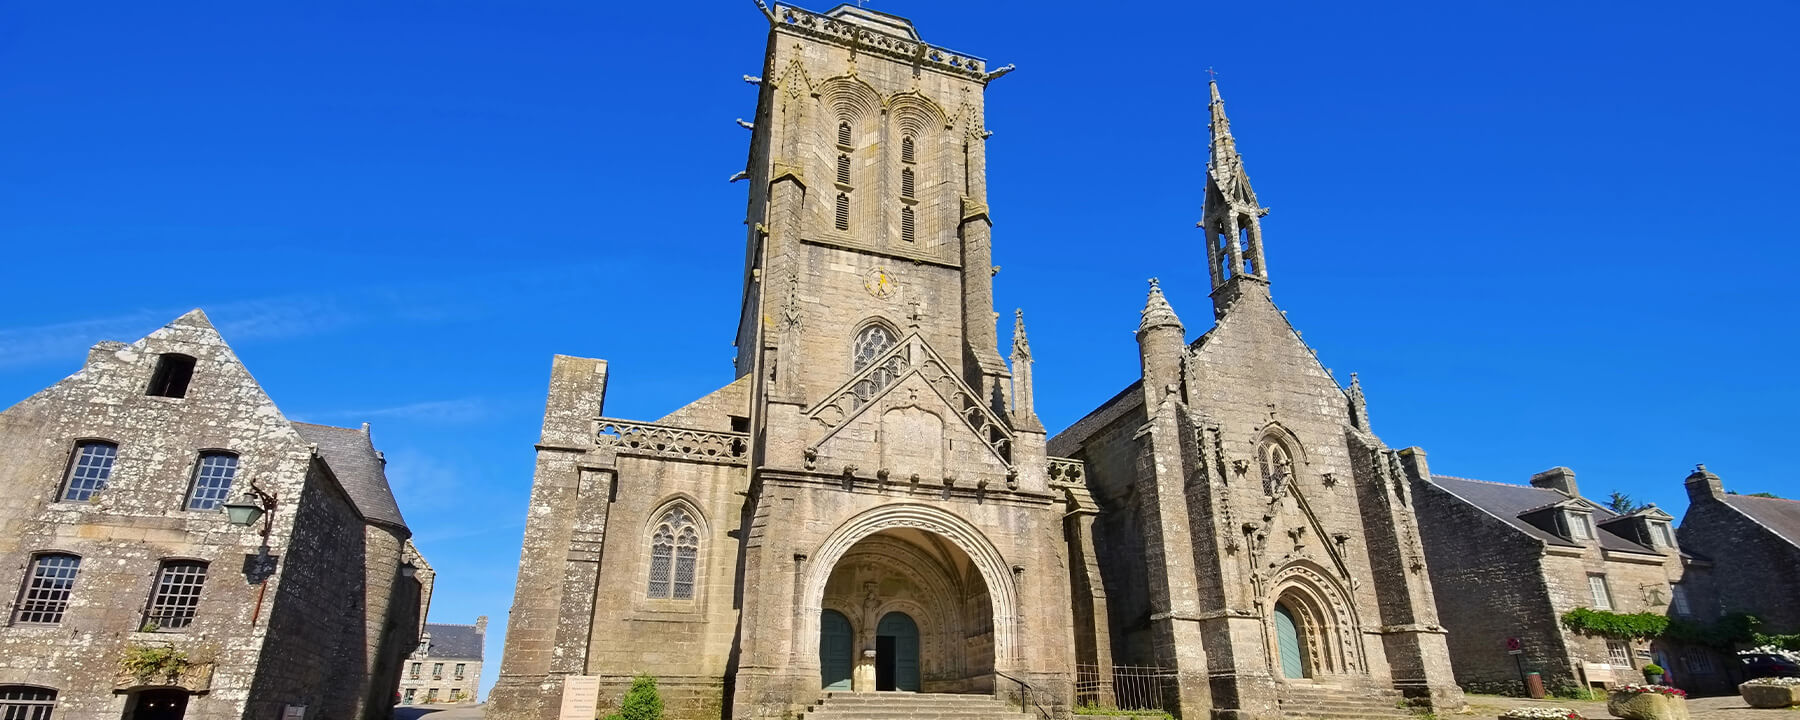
<point x="1232" y="218"/>
<point x="867" y="216"/>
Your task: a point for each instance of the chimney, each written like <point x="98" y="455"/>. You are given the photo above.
<point x="1560" y="479"/>
<point x="481" y="625"/>
<point x="1702" y="484"/>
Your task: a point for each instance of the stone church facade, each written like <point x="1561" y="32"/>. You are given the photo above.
<point x="872" y="505"/>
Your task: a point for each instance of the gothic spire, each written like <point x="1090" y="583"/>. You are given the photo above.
<point x="1024" y="411"/>
<point x="1157" y="312"/>
<point x="1231" y="214"/>
<point x="1021" y="348"/>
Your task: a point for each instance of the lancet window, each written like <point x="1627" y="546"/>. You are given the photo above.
<point x="1277" y="465"/>
<point x="674" y="556"/>
<point x="870" y="344"/>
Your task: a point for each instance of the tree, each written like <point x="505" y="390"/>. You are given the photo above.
<point x="642" y="702"/>
<point x="1623" y="504"/>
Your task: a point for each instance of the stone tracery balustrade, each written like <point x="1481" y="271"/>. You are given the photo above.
<point x="911" y="355"/>
<point x="665" y="441"/>
<point x="870" y="40"/>
<point x="1067" y="471"/>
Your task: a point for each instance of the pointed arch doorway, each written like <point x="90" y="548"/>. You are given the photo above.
<point x="1289" y="643"/>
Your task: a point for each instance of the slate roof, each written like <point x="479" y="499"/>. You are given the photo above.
<point x="358" y="467"/>
<point x="1511" y="502"/>
<point x="459" y="642"/>
<point x="1778" y="515"/>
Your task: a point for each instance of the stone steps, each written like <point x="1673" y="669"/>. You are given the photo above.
<point x="1324" y="702"/>
<point x="904" y="705"/>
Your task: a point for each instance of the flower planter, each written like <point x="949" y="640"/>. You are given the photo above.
<point x="1541" y="713"/>
<point x="1641" y="705"/>
<point x="1758" y="695"/>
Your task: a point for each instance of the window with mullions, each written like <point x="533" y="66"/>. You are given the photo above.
<point x="212" y="480"/>
<point x="92" y="467"/>
<point x="674" y="553"/>
<point x="23" y="702"/>
<point x="45" y="596"/>
<point x="177" y="595"/>
<point x="870" y="344"/>
<point x="1277" y="465"/>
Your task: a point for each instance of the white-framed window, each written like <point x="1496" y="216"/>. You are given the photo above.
<point x="1602" y="598"/>
<point x="1664" y="536"/>
<point x="437" y="671"/>
<point x="1580" y="527"/>
<point x="1680" y="600"/>
<point x="674" y="556"/>
<point x="1618" y="654"/>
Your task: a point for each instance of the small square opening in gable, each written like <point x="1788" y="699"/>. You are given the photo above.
<point x="173" y="373"/>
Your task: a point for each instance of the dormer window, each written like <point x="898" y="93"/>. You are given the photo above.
<point x="1662" y="535"/>
<point x="173" y="372"/>
<point x="1580" y="527"/>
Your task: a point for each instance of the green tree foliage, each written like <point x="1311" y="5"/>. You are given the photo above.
<point x="1622" y="504"/>
<point x="1765" y="494"/>
<point x="642" y="702"/>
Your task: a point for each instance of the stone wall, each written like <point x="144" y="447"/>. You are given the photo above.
<point x="1749" y="558"/>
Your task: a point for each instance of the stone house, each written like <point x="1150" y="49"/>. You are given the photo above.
<point x="1754" y="545"/>
<point x="870" y="505"/>
<point x="446" y="667"/>
<point x="1509" y="560"/>
<point x="137" y="597"/>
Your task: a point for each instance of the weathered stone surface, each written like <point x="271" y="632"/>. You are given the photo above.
<point x="1769" y="696"/>
<point x="313" y="631"/>
<point x="1646" y="706"/>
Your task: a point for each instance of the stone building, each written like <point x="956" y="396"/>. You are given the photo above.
<point x="870" y="504"/>
<point x="1509" y="560"/>
<point x="1754" y="545"/>
<point x="446" y="667"/>
<point x="138" y="598"/>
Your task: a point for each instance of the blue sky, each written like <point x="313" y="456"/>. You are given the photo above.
<point x="1543" y="233"/>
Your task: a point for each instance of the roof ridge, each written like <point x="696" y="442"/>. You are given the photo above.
<point x="1754" y="496"/>
<point x="1435" y="476"/>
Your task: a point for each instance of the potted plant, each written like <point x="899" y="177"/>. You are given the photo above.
<point x="1653" y="673"/>
<point x="1647" y="702"/>
<point x="1771" y="692"/>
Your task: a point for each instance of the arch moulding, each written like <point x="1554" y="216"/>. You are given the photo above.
<point x="1002" y="593"/>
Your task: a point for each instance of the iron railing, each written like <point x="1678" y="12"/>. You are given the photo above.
<point x="1125" y="687"/>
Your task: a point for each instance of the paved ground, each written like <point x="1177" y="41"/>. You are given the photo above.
<point x="1729" y="707"/>
<point x="438" y="712"/>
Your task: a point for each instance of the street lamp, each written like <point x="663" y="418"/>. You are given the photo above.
<point x="253" y="504"/>
<point x="407" y="569"/>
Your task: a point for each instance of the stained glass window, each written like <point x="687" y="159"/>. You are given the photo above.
<point x="870" y="344"/>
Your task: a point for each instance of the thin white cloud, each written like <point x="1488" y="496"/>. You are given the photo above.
<point x="69" y="341"/>
<point x="443" y="411"/>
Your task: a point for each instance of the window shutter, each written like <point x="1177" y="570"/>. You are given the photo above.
<point x="906" y="183"/>
<point x="843" y="211"/>
<point x="906" y="224"/>
<point x="843" y="169"/>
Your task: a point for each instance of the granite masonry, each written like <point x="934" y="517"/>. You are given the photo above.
<point x="1509" y="560"/>
<point x="446" y="667"/>
<point x="872" y="505"/>
<point x="137" y="598"/>
<point x="1754" y="545"/>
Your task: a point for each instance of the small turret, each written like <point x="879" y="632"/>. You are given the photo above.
<point x="1161" y="342"/>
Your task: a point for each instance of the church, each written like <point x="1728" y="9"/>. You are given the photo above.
<point x="873" y="506"/>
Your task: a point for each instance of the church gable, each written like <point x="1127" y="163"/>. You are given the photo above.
<point x="1255" y="360"/>
<point x="908" y="407"/>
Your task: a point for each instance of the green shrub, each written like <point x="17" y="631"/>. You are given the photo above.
<point x="642" y="702"/>
<point x="1652" y="669"/>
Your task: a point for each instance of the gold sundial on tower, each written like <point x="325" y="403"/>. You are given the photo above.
<point x="879" y="283"/>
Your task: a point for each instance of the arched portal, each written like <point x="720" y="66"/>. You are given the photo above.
<point x="919" y="612"/>
<point x="837" y="643"/>
<point x="1288" y="643"/>
<point x="966" y="607"/>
